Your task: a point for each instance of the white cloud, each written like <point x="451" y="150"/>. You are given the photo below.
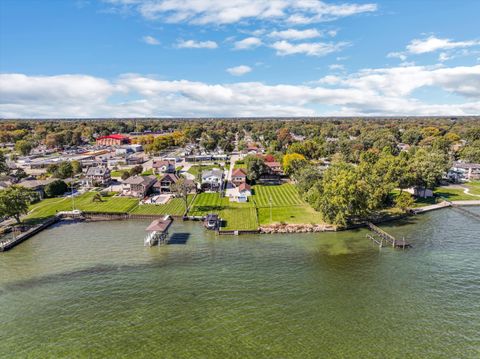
<point x="248" y="43"/>
<point x="233" y="11"/>
<point x="384" y="91"/>
<point x="294" y="34"/>
<point x="239" y="70"/>
<point x="308" y="48"/>
<point x="432" y="43"/>
<point x="193" y="44"/>
<point x="150" y="40"/>
<point x="336" y="67"/>
<point x="399" y="55"/>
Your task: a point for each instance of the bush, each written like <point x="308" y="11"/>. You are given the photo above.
<point x="56" y="188"/>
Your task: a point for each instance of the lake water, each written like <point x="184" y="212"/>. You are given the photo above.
<point x="93" y="290"/>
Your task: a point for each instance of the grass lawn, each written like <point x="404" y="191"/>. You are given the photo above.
<point x="282" y="196"/>
<point x="174" y="207"/>
<point x="303" y="214"/>
<point x="208" y="203"/>
<point x="118" y="173"/>
<point x="453" y="194"/>
<point x="240" y="164"/>
<point x="474" y="187"/>
<point x="239" y="218"/>
<point x="236" y="216"/>
<point x="50" y="206"/>
<point x="196" y="169"/>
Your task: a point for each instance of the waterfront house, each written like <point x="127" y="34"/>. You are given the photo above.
<point x="138" y="186"/>
<point x="165" y="183"/>
<point x="163" y="166"/>
<point x="239" y="176"/>
<point x="97" y="176"/>
<point x="212" y="180"/>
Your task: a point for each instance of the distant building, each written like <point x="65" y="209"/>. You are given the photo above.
<point x="462" y="171"/>
<point x="113" y="140"/>
<point x="275" y="168"/>
<point x="98" y="175"/>
<point x="138" y="186"/>
<point x="163" y="166"/>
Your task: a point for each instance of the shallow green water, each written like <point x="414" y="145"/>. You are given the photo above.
<point x="93" y="290"/>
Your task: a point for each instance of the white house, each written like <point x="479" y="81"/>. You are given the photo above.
<point x="212" y="179"/>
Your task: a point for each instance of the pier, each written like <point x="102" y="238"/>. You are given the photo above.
<point x="380" y="236"/>
<point x="158" y="231"/>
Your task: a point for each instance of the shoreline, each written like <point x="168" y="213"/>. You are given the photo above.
<point x="277" y="228"/>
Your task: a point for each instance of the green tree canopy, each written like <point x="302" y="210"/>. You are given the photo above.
<point x="14" y="202"/>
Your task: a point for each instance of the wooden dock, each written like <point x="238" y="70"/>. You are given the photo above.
<point x="380" y="236"/>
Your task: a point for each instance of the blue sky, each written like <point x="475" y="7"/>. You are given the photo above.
<point x="136" y="58"/>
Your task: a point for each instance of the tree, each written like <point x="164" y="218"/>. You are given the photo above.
<point x="64" y="170"/>
<point x="14" y="202"/>
<point x="24" y="147"/>
<point x="182" y="188"/>
<point x="428" y="167"/>
<point x="125" y="175"/>
<point x="404" y="201"/>
<point x="19" y="174"/>
<point x="76" y="167"/>
<point x="136" y="170"/>
<point x="3" y="164"/>
<point x="56" y="188"/>
<point x="291" y="161"/>
<point x="255" y="167"/>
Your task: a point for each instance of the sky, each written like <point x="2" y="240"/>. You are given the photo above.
<point x="235" y="58"/>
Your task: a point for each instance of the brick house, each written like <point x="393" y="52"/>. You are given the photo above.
<point x="138" y="186"/>
<point x="239" y="176"/>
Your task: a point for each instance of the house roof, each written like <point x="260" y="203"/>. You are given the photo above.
<point x="114" y="137"/>
<point x="161" y="163"/>
<point x="239" y="172"/>
<point x="244" y="187"/>
<point x="160" y="225"/>
<point x="141" y="180"/>
<point x="273" y="164"/>
<point x="97" y="171"/>
<point x="167" y="177"/>
<point x="466" y="165"/>
<point x="36" y="183"/>
<point x="213" y="172"/>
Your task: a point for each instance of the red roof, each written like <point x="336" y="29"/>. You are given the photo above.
<point x="238" y="172"/>
<point x="244" y="187"/>
<point x="115" y="137"/>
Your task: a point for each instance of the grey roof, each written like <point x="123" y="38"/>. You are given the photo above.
<point x="145" y="180"/>
<point x="466" y="165"/>
<point x="36" y="183"/>
<point x="213" y="172"/>
<point x="97" y="171"/>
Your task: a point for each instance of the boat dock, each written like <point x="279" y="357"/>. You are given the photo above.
<point x="380" y="237"/>
<point x="158" y="231"/>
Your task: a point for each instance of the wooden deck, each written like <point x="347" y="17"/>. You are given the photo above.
<point x="380" y="236"/>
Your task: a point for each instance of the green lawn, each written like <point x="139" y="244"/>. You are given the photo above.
<point x="118" y="173"/>
<point x="240" y="164"/>
<point x="239" y="218"/>
<point x="236" y="216"/>
<point x="196" y="169"/>
<point x="303" y="214"/>
<point x="453" y="194"/>
<point x="474" y="187"/>
<point x="208" y="203"/>
<point x="174" y="207"/>
<point x="281" y="196"/>
<point x="50" y="206"/>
